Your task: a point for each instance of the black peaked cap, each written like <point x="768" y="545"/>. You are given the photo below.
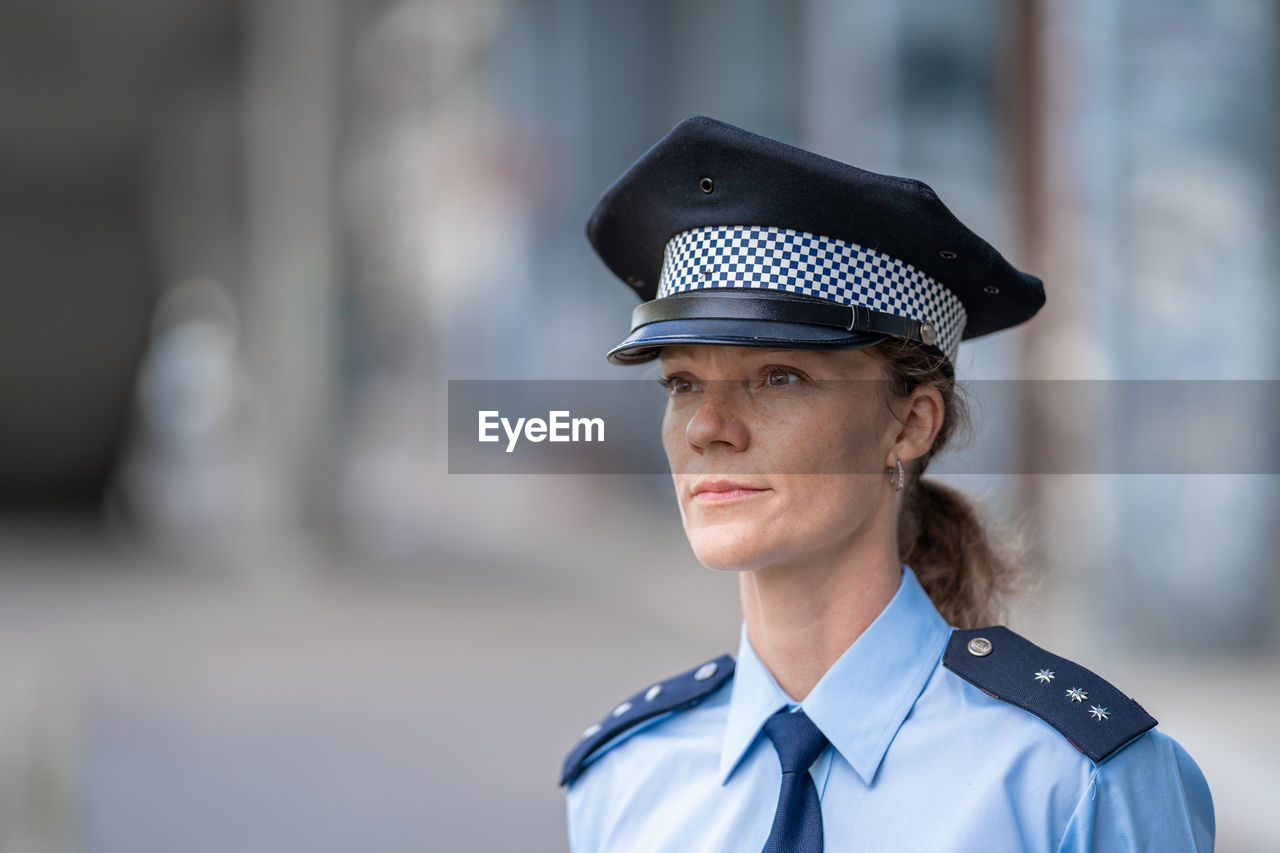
<point x="759" y="181"/>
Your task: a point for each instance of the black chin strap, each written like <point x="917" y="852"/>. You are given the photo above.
<point x="780" y="307"/>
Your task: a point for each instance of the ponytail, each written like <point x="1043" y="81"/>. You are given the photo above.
<point x="965" y="564"/>
<point x="964" y="568"/>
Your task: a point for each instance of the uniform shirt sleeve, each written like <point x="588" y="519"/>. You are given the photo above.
<point x="1148" y="796"/>
<point x="590" y="809"/>
<point x="578" y="820"/>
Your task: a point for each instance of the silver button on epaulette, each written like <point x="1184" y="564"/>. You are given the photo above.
<point x="980" y="647"/>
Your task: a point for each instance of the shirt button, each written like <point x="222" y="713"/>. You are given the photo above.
<point x="705" y="671"/>
<point x="622" y="709"/>
<point x="652" y="692"/>
<point x="591" y="731"/>
<point x="980" y="647"/>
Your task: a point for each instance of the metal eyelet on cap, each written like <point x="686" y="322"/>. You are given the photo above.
<point x="980" y="647"/>
<point x="948" y="254"/>
<point x="928" y="333"/>
<point x="706" y="185"/>
<point x="990" y="288"/>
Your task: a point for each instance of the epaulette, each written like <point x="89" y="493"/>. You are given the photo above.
<point x="675" y="694"/>
<point x="1090" y="713"/>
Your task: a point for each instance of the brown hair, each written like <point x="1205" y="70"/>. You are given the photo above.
<point x="964" y="562"/>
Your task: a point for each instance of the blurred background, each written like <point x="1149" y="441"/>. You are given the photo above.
<point x="244" y="245"/>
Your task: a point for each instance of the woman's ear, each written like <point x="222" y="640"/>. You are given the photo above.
<point x="920" y="417"/>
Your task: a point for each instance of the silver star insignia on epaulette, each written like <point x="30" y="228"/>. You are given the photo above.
<point x="1045" y="675"/>
<point x="1098" y="713"/>
<point x="1075" y="694"/>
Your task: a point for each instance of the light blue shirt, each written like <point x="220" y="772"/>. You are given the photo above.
<point x="919" y="759"/>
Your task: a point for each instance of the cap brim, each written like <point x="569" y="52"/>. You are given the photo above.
<point x="645" y="343"/>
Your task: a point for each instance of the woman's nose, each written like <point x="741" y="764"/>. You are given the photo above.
<point x="718" y="420"/>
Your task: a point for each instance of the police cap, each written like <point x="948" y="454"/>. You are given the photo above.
<point x="733" y="238"/>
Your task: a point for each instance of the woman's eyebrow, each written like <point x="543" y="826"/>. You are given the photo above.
<point x="762" y="358"/>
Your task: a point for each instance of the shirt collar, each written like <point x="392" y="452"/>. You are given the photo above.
<point x="861" y="701"/>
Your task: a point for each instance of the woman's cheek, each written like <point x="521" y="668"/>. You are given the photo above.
<point x="671" y="446"/>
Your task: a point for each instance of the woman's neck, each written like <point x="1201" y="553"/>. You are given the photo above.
<point x="801" y="619"/>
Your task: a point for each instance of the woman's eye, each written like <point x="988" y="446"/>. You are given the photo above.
<point x="778" y="376"/>
<point x="676" y="384"/>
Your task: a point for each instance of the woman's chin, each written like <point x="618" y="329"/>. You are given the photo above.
<point x="727" y="555"/>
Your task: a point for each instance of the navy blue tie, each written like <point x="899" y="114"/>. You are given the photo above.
<point x="797" y="824"/>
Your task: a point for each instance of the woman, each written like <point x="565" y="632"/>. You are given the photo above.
<point x="807" y="315"/>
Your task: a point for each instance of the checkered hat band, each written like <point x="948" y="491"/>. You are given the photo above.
<point x="799" y="262"/>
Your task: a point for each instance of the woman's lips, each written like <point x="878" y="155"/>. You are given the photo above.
<point x="724" y="492"/>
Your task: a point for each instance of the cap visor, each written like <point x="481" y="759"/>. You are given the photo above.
<point x="644" y="343"/>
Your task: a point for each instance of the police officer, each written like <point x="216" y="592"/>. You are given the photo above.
<point x="807" y="314"/>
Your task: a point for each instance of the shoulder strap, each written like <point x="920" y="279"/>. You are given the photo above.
<point x="675" y="694"/>
<point x="1090" y="713"/>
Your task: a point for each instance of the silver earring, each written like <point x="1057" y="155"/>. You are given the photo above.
<point x="900" y="480"/>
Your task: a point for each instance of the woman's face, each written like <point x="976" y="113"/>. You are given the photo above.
<point x="778" y="456"/>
